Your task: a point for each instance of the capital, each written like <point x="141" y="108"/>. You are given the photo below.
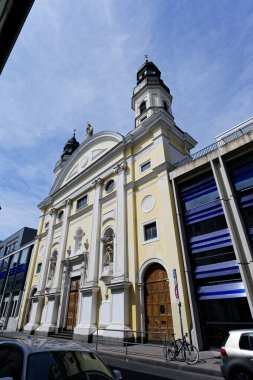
<point x="53" y="211"/>
<point x="120" y="167"/>
<point x="67" y="202"/>
<point x="96" y="183"/>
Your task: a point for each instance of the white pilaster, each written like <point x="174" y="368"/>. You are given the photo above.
<point x="38" y="300"/>
<point x="53" y="298"/>
<point x="44" y="268"/>
<point x="120" y="272"/>
<point x="95" y="238"/>
<point x="62" y="247"/>
<point x="120" y="285"/>
<point x="87" y="323"/>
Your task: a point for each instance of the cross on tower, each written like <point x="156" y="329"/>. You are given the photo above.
<point x="146" y="56"/>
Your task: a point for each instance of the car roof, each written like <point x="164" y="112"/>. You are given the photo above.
<point x="241" y="331"/>
<point x="31" y="344"/>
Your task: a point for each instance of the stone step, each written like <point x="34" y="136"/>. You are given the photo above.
<point x="63" y="335"/>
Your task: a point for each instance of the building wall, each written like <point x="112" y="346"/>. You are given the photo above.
<point x="213" y="196"/>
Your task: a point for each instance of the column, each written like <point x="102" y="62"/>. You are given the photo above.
<point x="120" y="284"/>
<point x="38" y="300"/>
<point x="88" y="309"/>
<point x="120" y="272"/>
<point x="62" y="247"/>
<point x="236" y="228"/>
<point x="53" y="297"/>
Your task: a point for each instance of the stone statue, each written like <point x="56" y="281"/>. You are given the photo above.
<point x="108" y="250"/>
<point x="52" y="266"/>
<point x="89" y="130"/>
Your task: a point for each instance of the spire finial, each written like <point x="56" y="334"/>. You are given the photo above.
<point x="74" y="134"/>
<point x="146" y="56"/>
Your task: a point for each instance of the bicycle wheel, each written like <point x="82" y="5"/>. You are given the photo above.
<point x="169" y="351"/>
<point x="190" y="354"/>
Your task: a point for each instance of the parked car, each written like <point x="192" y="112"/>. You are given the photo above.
<point x="42" y="359"/>
<point x="237" y="355"/>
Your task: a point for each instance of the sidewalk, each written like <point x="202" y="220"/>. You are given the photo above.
<point x="209" y="361"/>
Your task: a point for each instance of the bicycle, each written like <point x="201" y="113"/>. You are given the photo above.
<point x="189" y="352"/>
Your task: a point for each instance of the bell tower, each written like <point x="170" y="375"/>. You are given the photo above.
<point x="150" y="95"/>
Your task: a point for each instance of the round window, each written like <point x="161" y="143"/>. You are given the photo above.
<point x="110" y="185"/>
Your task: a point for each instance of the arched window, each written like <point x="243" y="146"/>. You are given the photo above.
<point x="60" y="215"/>
<point x="142" y="107"/>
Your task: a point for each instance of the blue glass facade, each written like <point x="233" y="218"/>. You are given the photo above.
<point x="241" y="176"/>
<point x="219" y="290"/>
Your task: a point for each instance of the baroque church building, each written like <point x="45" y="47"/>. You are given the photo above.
<point x="107" y="257"/>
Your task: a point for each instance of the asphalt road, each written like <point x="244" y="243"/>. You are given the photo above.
<point x="182" y="375"/>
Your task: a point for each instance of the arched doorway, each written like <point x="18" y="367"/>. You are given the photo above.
<point x="158" y="314"/>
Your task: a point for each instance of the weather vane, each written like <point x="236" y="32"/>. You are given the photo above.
<point x="74" y="132"/>
<point x="146" y="56"/>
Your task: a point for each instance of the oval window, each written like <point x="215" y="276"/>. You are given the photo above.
<point x="110" y="185"/>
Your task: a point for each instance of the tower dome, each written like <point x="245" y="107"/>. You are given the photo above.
<point x="150" y="94"/>
<point x="70" y="146"/>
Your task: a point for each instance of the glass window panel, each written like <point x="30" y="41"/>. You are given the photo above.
<point x="150" y="231"/>
<point x="14" y="261"/>
<point x="24" y="256"/>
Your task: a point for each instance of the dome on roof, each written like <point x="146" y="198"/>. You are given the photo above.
<point x="70" y="146"/>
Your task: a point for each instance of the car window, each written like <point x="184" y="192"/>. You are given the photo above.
<point x="11" y="361"/>
<point x="244" y="342"/>
<point x="75" y="365"/>
<point x="225" y="340"/>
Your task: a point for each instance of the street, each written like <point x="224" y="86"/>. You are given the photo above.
<point x="128" y="374"/>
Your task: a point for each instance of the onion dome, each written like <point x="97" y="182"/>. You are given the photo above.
<point x="70" y="146"/>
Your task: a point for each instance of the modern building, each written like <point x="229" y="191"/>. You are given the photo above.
<point x="108" y="253"/>
<point x="15" y="252"/>
<point x="214" y="199"/>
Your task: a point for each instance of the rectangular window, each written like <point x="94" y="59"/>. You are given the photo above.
<point x="81" y="202"/>
<point x="145" y="166"/>
<point x="150" y="231"/>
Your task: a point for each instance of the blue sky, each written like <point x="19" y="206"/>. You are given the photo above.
<point x="76" y="61"/>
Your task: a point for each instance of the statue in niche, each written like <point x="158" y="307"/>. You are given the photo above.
<point x="85" y="261"/>
<point x="108" y="250"/>
<point x="52" y="266"/>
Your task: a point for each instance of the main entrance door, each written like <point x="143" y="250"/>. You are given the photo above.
<point x="73" y="303"/>
<point x="158" y="313"/>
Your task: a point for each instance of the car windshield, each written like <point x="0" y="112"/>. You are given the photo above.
<point x="75" y="365"/>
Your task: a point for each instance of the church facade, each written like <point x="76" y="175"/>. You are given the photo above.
<point x="107" y="257"/>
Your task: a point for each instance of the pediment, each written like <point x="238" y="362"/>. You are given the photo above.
<point x="91" y="150"/>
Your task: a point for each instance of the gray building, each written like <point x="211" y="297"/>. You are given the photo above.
<point x="15" y="253"/>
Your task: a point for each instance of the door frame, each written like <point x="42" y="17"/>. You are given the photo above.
<point x="142" y="271"/>
<point x="67" y="303"/>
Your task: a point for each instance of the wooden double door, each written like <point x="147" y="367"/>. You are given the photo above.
<point x="73" y="303"/>
<point x="159" y="324"/>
